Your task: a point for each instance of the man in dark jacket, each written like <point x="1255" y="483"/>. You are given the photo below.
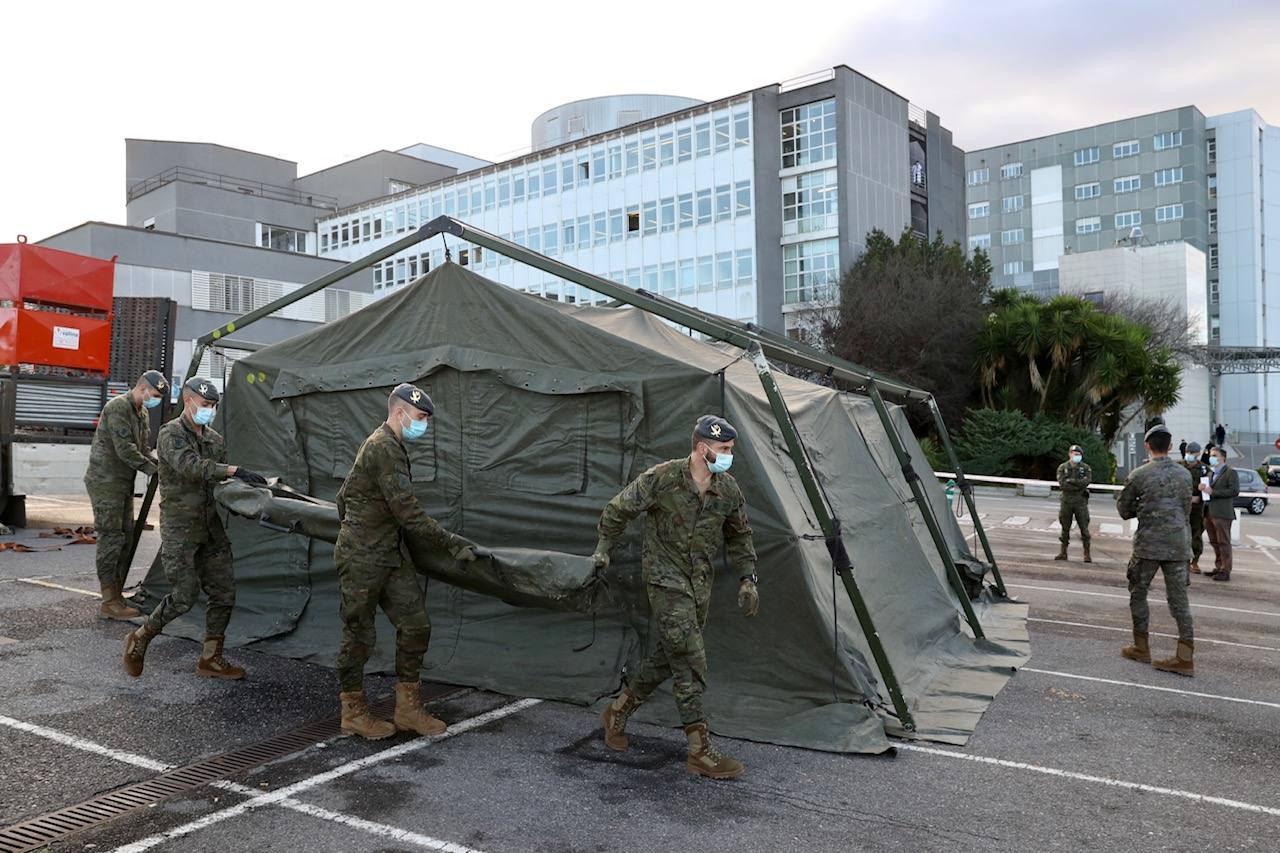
<point x="1224" y="486"/>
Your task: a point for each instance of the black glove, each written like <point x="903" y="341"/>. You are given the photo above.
<point x="253" y="478"/>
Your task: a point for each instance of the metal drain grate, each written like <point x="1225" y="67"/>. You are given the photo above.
<point x="39" y="832"/>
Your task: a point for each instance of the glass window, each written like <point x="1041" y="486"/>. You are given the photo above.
<point x="548" y="178"/>
<point x="1011" y="203"/>
<point x="490" y="195"/>
<point x="567" y="233"/>
<point x="649" y="218"/>
<point x="724" y="270"/>
<point x="1211" y="149"/>
<point x="1127" y="184"/>
<point x="651" y="279"/>
<point x="1168" y="213"/>
<point x="724" y="202"/>
<point x="615" y="161"/>
<point x="809" y="202"/>
<point x="810" y="271"/>
<point x="669" y="279"/>
<point x="597" y="166"/>
<point x="723" y="133"/>
<point x="808" y="134"/>
<point x="742" y="198"/>
<point x="632" y="157"/>
<point x="1165" y="177"/>
<point x="1128" y="219"/>
<point x="684" y="144"/>
<point x="687" y="276"/>
<point x="1213" y="220"/>
<point x="567" y="172"/>
<point x="979" y="209"/>
<point x="706" y="273"/>
<point x="686" y="210"/>
<point x="633" y="221"/>
<point x="1085" y="156"/>
<point x="1169" y="139"/>
<point x="477" y="196"/>
<point x="583" y="227"/>
<point x="1009" y="171"/>
<point x="741" y="129"/>
<point x="535" y="239"/>
<point x="517" y="189"/>
<point x="1012" y="267"/>
<point x="980" y="241"/>
<point x="1012" y="237"/>
<point x="549" y="243"/>
<point x="1213" y="186"/>
<point x="1084" y="191"/>
<point x="667" y="214"/>
<point x="1089" y="225"/>
<point x="979" y="176"/>
<point x="702" y="138"/>
<point x="703" y="204"/>
<point x="1213" y="257"/>
<point x="648" y="153"/>
<point x="617" y="224"/>
<point x="743" y="261"/>
<point x="533" y="183"/>
<point x="600" y="229"/>
<point x="1125" y="149"/>
<point x="666" y="148"/>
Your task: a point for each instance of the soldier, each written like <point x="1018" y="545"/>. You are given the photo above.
<point x="118" y="453"/>
<point x="694" y="507"/>
<point x="194" y="548"/>
<point x="1199" y="470"/>
<point x="1074" y="477"/>
<point x="1158" y="494"/>
<point x="376" y="504"/>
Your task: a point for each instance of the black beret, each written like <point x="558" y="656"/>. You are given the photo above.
<point x="156" y="380"/>
<point x="414" y="396"/>
<point x="715" y="429"/>
<point x="201" y="387"/>
<point x="1154" y="421"/>
<point x="1160" y="427"/>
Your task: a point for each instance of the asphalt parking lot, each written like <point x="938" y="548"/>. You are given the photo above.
<point x="1082" y="750"/>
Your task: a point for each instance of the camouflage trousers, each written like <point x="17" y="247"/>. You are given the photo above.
<point x="679" y="653"/>
<point x="190" y="568"/>
<point x="1079" y="512"/>
<point x="113" y="521"/>
<point x="362" y="588"/>
<point x="1140" y="574"/>
<point x="1197" y="534"/>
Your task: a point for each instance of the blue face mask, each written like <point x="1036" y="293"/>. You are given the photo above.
<point x="151" y="402"/>
<point x="1076" y="457"/>
<point x="414" y="430"/>
<point x="204" y="415"/>
<point x="721" y="463"/>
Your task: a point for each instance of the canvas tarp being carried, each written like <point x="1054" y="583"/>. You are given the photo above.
<point x="543" y="413"/>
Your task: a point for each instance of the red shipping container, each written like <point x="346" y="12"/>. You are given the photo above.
<point x="55" y="339"/>
<point x="36" y="274"/>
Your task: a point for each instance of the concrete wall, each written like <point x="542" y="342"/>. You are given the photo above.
<point x="368" y="177"/>
<point x="144" y="158"/>
<point x="945" y="183"/>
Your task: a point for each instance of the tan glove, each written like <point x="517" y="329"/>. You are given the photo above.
<point x="601" y="555"/>
<point x="748" y="597"/>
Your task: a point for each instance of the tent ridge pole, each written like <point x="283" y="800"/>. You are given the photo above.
<point x="830" y="526"/>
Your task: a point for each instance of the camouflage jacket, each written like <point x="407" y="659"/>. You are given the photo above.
<point x="1158" y="494"/>
<point x="376" y="502"/>
<point x="119" y="445"/>
<point x="1074" y="481"/>
<point x="683" y="531"/>
<point x="1197" y="470"/>
<point x="190" y="466"/>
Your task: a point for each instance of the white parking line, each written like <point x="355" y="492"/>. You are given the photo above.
<point x="1097" y="780"/>
<point x="1126" y="598"/>
<point x="85" y="745"/>
<point x="1266" y="541"/>
<point x="52" y="585"/>
<point x="1016" y="520"/>
<point x="1151" y="687"/>
<point x="287" y="792"/>
<point x="1153" y="634"/>
<point x="1112" y="528"/>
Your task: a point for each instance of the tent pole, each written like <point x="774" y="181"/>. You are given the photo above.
<point x="831" y="530"/>
<point x="926" y="510"/>
<point x="966" y="489"/>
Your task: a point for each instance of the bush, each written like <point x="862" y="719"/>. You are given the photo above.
<point x="1000" y="443"/>
<point x="937" y="458"/>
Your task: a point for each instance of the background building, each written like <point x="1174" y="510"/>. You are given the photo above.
<point x="748" y="206"/>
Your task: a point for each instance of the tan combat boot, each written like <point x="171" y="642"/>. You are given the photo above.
<point x="1140" y="650"/>
<point x="410" y="716"/>
<point x="1181" y="663"/>
<point x="1087" y="557"/>
<point x="614" y="719"/>
<point x="357" y="719"/>
<point x="705" y="759"/>
<point x="1195" y="567"/>
<point x="213" y="665"/>
<point x="1062" y="552"/>
<point x="114" y="606"/>
<point x="135" y="648"/>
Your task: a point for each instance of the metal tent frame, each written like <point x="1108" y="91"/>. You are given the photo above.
<point x="761" y="346"/>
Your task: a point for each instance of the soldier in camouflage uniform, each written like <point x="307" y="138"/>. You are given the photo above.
<point x="693" y="508"/>
<point x="1158" y="494"/>
<point x="375" y="504"/>
<point x="118" y="453"/>
<point x="194" y="549"/>
<point x="1074" y="477"/>
<point x="1198" y="470"/>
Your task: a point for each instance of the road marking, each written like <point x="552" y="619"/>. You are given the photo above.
<point x="1016" y="520"/>
<point x="1153" y="633"/>
<point x="51" y="585"/>
<point x="1266" y="541"/>
<point x="1272" y="557"/>
<point x="287" y="792"/>
<point x="85" y="745"/>
<point x="1115" y="529"/>
<point x="1097" y="780"/>
<point x="1152" y="687"/>
<point x="1126" y="598"/>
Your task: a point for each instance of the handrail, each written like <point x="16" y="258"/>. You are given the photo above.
<point x="247" y="186"/>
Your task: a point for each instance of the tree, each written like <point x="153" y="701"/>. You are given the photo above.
<point x="1066" y="359"/>
<point x="911" y="310"/>
<point x="1002" y="443"/>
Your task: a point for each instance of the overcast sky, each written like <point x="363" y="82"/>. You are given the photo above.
<point x="323" y="82"/>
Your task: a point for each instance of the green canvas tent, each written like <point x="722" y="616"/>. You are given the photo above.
<point x="544" y="412"/>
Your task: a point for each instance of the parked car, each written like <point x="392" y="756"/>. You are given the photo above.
<point x="1250" y="481"/>
<point x="1272" y="464"/>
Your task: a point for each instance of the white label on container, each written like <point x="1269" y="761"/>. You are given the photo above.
<point x="66" y="338"/>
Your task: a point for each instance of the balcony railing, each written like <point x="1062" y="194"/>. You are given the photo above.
<point x="200" y="177"/>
